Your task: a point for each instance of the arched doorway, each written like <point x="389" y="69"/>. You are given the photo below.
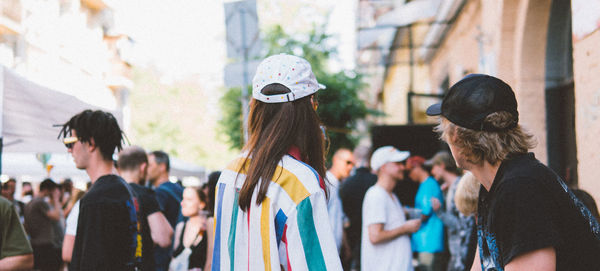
<point x="559" y="93"/>
<point x="531" y="29"/>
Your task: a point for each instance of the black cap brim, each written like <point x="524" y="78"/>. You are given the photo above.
<point x="434" y="110"/>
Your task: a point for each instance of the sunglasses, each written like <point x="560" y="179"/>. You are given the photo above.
<point x="69" y="141"/>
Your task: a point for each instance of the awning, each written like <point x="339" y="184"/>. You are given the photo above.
<point x="29" y="112"/>
<point x="382" y="32"/>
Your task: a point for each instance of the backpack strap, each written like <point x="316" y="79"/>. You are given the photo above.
<point x="170" y="192"/>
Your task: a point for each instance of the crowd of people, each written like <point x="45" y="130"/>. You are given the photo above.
<point x="126" y="219"/>
<point x="484" y="204"/>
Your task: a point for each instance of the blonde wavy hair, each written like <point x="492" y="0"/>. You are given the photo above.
<point x="491" y="146"/>
<point x="467" y="194"/>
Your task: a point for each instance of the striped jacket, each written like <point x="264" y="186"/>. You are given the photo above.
<point x="289" y="230"/>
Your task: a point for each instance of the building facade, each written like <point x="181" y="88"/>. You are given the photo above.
<point x="546" y="50"/>
<point x="71" y="46"/>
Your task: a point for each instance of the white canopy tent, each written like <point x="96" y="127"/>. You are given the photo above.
<point x="29" y="113"/>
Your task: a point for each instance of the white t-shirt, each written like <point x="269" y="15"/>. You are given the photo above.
<point x="379" y="206"/>
<point x="71" y="228"/>
<point x="335" y="210"/>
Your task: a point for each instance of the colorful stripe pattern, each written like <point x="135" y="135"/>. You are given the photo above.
<point x="289" y="229"/>
<point x="217" y="249"/>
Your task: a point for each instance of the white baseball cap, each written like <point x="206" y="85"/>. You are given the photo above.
<point x="291" y="71"/>
<point x="387" y="154"/>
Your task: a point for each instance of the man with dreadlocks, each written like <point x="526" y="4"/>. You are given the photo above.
<point x="107" y="236"/>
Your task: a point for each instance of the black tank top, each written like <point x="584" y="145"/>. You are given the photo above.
<point x="198" y="256"/>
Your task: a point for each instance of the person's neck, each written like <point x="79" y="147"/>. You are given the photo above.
<point x="386" y="182"/>
<point x="485" y="174"/>
<point x="130" y="176"/>
<point x="449" y="177"/>
<point x="194" y="220"/>
<point x="335" y="174"/>
<point x="423" y="176"/>
<point x="161" y="179"/>
<point x="99" y="169"/>
<point x="362" y="164"/>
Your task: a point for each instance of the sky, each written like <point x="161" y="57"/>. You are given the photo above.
<point x="179" y="37"/>
<point x="187" y="37"/>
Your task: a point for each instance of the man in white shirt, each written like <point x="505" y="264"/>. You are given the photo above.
<point x="341" y="165"/>
<point x="70" y="232"/>
<point x="385" y="239"/>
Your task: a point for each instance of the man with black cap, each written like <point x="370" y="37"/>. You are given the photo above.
<point x="527" y="217"/>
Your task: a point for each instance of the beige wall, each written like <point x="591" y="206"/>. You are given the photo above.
<point x="458" y="53"/>
<point x="395" y="91"/>
<point x="586" y="69"/>
<point x="507" y="35"/>
<point x="394" y="95"/>
<point x="514" y="34"/>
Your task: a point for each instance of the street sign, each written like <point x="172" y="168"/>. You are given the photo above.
<point x="243" y="44"/>
<point x="243" y="40"/>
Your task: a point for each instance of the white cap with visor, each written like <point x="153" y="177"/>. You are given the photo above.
<point x="291" y="71"/>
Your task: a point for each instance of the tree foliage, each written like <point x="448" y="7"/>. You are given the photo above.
<point x="339" y="104"/>
<point x="178" y="118"/>
<point x="230" y="123"/>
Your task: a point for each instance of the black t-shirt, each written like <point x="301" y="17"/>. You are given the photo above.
<point x="148" y="206"/>
<point x="352" y="192"/>
<point x="106" y="236"/>
<point x="529" y="207"/>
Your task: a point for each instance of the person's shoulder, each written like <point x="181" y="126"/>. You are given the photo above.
<point x="5" y="204"/>
<point x="108" y="182"/>
<point x="375" y="193"/>
<point x="141" y="189"/>
<point x="236" y="164"/>
<point x="524" y="172"/>
<point x="144" y="194"/>
<point x="297" y="171"/>
<point x="36" y="202"/>
<point x="430" y="184"/>
<point x="168" y="187"/>
<point x="108" y="187"/>
<point x="110" y="178"/>
<point x="518" y="186"/>
<point x="524" y="166"/>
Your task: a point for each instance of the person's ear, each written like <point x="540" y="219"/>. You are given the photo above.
<point x="144" y="168"/>
<point x="92" y="144"/>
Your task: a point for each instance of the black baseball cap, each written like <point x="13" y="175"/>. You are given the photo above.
<point x="473" y="98"/>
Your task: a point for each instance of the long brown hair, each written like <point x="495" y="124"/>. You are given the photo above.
<point x="273" y="128"/>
